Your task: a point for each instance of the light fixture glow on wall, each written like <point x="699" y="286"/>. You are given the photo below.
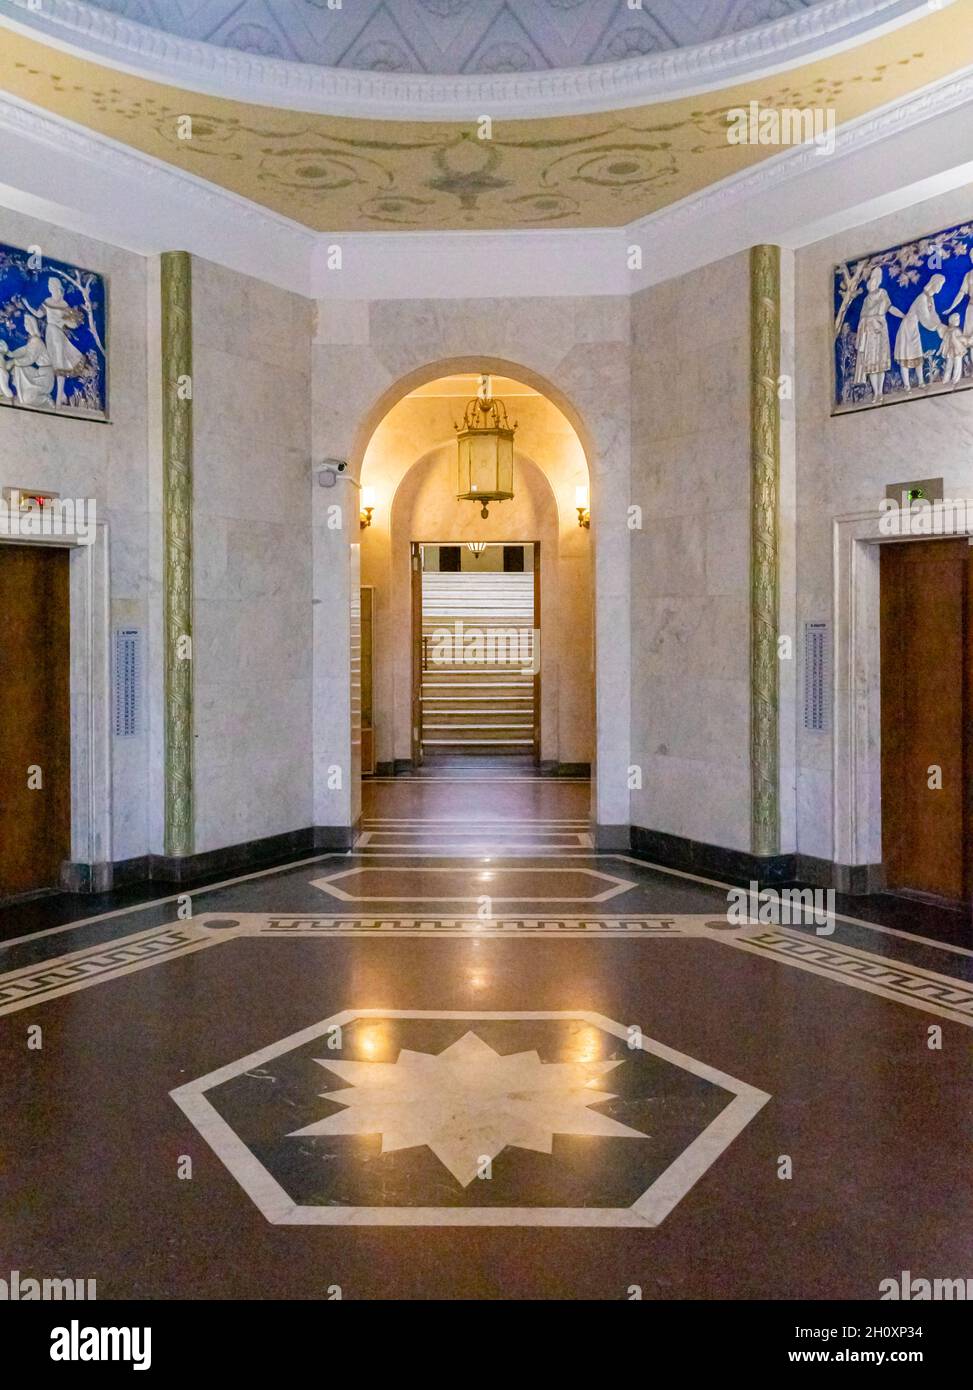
<point x="582" y="506"/>
<point x="485" y="442"/>
<point x="367" y="507"/>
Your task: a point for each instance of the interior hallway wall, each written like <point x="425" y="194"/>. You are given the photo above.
<point x="108" y="463"/>
<point x="251" y="558"/>
<point x="845" y="462"/>
<point x="690" y="559"/>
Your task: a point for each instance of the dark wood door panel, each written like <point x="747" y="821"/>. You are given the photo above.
<point x="924" y="642"/>
<point x="35" y="821"/>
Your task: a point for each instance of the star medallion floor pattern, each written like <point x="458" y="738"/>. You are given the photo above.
<point x="468" y="1119"/>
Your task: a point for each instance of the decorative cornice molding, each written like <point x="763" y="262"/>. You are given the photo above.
<point x="117" y="42"/>
<point x="112" y="192"/>
<point x="772" y="173"/>
<point x="146" y="193"/>
<point x="20" y="118"/>
<point x="177" y="562"/>
<point x="764" y="549"/>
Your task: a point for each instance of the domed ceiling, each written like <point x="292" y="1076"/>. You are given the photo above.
<point x="453" y="36"/>
<point x="301" y="125"/>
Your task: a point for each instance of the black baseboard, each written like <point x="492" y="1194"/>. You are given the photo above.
<point x="554" y="769"/>
<point x="712" y="861"/>
<point x="855" y="880"/>
<point x="612" y="837"/>
<point x="739" y="866"/>
<point x="229" y="859"/>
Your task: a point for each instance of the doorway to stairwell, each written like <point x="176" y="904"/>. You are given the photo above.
<point x="476" y="654"/>
<point x="409" y="474"/>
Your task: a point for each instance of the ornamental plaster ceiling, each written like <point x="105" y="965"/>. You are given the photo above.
<point x="452" y="36"/>
<point x="338" y="174"/>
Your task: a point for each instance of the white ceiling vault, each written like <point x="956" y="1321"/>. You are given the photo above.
<point x="427" y="60"/>
<point x="453" y="36"/>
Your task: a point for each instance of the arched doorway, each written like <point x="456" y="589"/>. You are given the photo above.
<point x="600" y="566"/>
<point x="429" y="685"/>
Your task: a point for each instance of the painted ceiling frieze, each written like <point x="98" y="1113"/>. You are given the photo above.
<point x="336" y="173"/>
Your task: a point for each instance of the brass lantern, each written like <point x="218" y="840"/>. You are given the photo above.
<point x="486" y="451"/>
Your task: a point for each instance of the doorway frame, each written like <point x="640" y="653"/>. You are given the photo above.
<point x="856" y="691"/>
<point x="90" y="865"/>
<point x="415" y="548"/>
<point x="607" y="456"/>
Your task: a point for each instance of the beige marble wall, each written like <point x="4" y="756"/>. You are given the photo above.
<point x="106" y="462"/>
<point x="690" y="560"/>
<point x="577" y="351"/>
<point x="844" y="463"/>
<point x="252" y="558"/>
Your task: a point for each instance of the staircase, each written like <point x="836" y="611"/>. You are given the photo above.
<point x="478" y="639"/>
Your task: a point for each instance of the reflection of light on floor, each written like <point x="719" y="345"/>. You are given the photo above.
<point x="486" y="878"/>
<point x="586" y="1045"/>
<point x="477" y="979"/>
<point x="373" y="1041"/>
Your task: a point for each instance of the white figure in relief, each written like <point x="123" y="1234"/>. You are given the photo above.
<point x="908" y="341"/>
<point x="965" y="291"/>
<point x="6" y="390"/>
<point x="31" y="370"/>
<point x="873" y="355"/>
<point x="64" y="357"/>
<point x="953" y="349"/>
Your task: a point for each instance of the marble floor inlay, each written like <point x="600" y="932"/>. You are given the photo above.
<point x="468" y="1118"/>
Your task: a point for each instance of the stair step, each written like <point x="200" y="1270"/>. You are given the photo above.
<point x="477" y="742"/>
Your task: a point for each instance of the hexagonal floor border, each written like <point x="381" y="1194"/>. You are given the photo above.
<point x="650" y="1209"/>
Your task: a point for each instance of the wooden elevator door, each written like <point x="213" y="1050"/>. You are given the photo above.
<point x="35" y="732"/>
<point x="926" y="645"/>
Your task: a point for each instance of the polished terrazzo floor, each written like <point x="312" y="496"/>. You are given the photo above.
<point x="477" y="1059"/>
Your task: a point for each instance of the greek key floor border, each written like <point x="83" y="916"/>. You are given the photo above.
<point x="849" y="966"/>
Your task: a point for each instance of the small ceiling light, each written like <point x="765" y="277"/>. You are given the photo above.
<point x="582" y="506"/>
<point x="367" y="507"/>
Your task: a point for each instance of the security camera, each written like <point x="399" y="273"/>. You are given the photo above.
<point x="328" y="475"/>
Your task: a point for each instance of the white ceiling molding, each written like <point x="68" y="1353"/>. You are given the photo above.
<point x="910" y="151"/>
<point x="889" y="159"/>
<point x="110" y="39"/>
<point x="108" y="191"/>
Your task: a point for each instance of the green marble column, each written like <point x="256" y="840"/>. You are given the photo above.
<point x="764" y="548"/>
<point x="177" y="506"/>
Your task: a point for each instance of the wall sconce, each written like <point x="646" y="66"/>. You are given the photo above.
<point x="367" y="507"/>
<point x="582" y="506"/>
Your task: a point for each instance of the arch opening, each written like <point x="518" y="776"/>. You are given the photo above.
<point x="405" y="461"/>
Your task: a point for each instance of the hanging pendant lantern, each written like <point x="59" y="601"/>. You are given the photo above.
<point x="486" y="451"/>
